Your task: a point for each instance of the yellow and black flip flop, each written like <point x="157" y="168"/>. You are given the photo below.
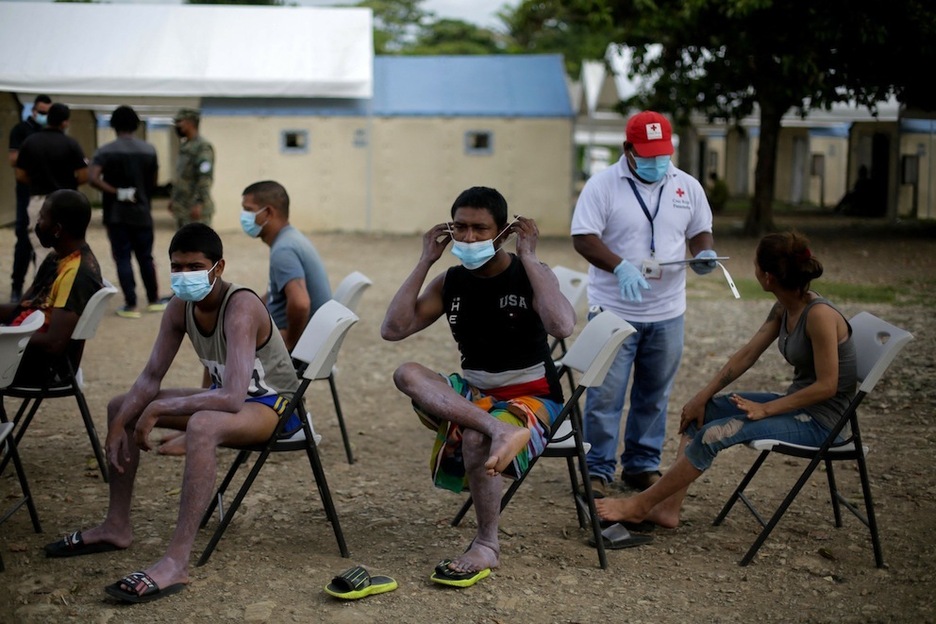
<point x="444" y="575"/>
<point x="355" y="583"/>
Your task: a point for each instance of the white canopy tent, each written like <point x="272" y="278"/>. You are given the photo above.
<point x="184" y="51"/>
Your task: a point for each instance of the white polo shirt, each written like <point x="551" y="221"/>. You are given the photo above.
<point x="608" y="208"/>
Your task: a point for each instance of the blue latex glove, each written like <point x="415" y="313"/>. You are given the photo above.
<point x="704" y="268"/>
<point x="630" y="281"/>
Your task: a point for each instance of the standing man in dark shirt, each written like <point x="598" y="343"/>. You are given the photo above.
<point x="48" y="161"/>
<point x="22" y="252"/>
<point x="125" y="171"/>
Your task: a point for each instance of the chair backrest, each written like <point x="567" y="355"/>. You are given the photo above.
<point x="321" y="339"/>
<point x="877" y="343"/>
<point x="572" y="284"/>
<point x="91" y="317"/>
<point x="13" y="341"/>
<point x="593" y="351"/>
<point x="350" y="289"/>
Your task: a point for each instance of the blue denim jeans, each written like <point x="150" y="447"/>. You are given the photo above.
<point x="653" y="353"/>
<point x="726" y="425"/>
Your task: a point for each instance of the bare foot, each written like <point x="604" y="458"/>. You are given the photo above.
<point x="172" y="444"/>
<point x="477" y="557"/>
<point x="107" y="535"/>
<point x="504" y="448"/>
<point x="628" y="510"/>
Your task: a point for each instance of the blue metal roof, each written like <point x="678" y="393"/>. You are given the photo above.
<point x="506" y="85"/>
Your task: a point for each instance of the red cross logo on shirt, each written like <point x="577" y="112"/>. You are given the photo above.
<point x="680" y="192"/>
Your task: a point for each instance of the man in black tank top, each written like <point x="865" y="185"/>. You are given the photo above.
<point x="231" y="330"/>
<point x="494" y="416"/>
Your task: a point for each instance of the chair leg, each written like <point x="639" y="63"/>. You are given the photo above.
<point x="573" y="479"/>
<point x="586" y="484"/>
<point x="331" y="513"/>
<point x="24" y="486"/>
<point x="17" y="433"/>
<point x="869" y="506"/>
<point x="341" y="422"/>
<point x="739" y="491"/>
<point x="235" y="504"/>
<point x="216" y="499"/>
<point x="92" y="432"/>
<point x="833" y="493"/>
<point x="461" y="512"/>
<point x="790" y="497"/>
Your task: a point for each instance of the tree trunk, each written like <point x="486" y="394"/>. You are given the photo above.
<point x="760" y="217"/>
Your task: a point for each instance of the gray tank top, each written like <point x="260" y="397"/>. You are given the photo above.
<point x="273" y="371"/>
<point x="796" y="348"/>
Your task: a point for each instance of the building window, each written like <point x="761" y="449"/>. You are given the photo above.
<point x="479" y="142"/>
<point x="294" y="141"/>
<point x="360" y="137"/>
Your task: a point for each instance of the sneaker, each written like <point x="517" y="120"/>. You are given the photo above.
<point x="641" y="480"/>
<point x="128" y="312"/>
<point x="158" y="306"/>
<point x="599" y="487"/>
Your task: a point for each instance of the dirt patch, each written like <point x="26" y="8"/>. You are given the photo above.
<point x="280" y="551"/>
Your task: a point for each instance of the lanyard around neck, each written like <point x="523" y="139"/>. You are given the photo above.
<point x="646" y="211"/>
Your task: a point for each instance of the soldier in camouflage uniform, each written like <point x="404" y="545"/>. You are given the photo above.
<point x="191" y="198"/>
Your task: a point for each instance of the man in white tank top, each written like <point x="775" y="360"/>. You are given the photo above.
<point x="233" y="334"/>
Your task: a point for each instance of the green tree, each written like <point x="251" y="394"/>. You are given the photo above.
<point x="450" y="36"/>
<point x="397" y="23"/>
<point x="242" y="2"/>
<point x="730" y="58"/>
<point x="578" y="29"/>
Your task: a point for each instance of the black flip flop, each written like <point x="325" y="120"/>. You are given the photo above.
<point x="142" y="588"/>
<point x="74" y="546"/>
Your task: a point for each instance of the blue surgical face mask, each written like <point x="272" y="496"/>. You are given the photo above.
<point x="191" y="285"/>
<point x="249" y="223"/>
<point x="42" y="119"/>
<point x="475" y="255"/>
<point x="651" y="169"/>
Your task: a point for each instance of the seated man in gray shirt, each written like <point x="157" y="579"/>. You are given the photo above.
<point x="298" y="282"/>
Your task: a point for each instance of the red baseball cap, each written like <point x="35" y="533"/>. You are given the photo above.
<point x="650" y="133"/>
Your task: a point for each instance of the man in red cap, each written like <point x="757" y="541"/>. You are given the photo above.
<point x="629" y="220"/>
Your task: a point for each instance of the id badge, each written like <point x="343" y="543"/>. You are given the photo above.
<point x="651" y="269"/>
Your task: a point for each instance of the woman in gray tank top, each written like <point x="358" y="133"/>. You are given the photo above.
<point x="811" y="334"/>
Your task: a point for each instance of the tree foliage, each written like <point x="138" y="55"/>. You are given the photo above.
<point x="730" y="58"/>
<point x="396" y="23"/>
<point x="238" y="2"/>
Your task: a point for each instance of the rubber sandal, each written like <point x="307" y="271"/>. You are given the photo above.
<point x="616" y="537"/>
<point x="444" y="575"/>
<point x="355" y="583"/>
<point x="142" y="588"/>
<point x="73" y="546"/>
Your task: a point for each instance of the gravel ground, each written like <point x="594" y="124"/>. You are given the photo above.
<point x="280" y="551"/>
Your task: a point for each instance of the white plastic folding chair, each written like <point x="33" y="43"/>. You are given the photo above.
<point x="317" y="349"/>
<point x="591" y="356"/>
<point x="348" y="293"/>
<point x="574" y="286"/>
<point x="877" y="343"/>
<point x="65" y="380"/>
<point x="13" y="341"/>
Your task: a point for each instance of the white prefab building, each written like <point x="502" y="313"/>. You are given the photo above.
<point x="361" y="143"/>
